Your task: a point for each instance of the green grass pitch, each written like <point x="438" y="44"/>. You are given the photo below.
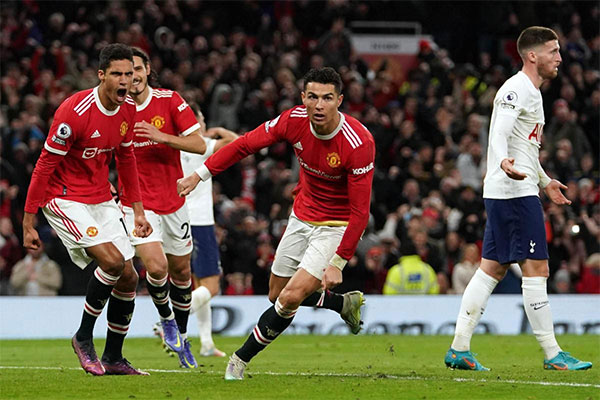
<point x="308" y="367"/>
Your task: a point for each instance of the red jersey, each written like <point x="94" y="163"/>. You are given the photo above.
<point x="159" y="165"/>
<point x="77" y="152"/>
<point x="335" y="175"/>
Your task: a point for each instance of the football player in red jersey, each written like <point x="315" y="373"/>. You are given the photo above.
<point x="70" y="183"/>
<point x="331" y="209"/>
<point x="164" y="124"/>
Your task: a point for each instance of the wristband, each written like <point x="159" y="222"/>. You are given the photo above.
<point x="338" y="262"/>
<point x="203" y="172"/>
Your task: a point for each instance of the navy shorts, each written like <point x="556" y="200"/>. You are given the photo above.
<point x="515" y="230"/>
<point x="205" y="257"/>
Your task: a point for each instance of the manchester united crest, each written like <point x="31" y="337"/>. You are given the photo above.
<point x="333" y="159"/>
<point x="158" y="121"/>
<point x="92" y="231"/>
<point x="123" y="128"/>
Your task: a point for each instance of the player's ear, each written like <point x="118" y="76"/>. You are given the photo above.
<point x="101" y="75"/>
<point x="148" y="69"/>
<point x="303" y="96"/>
<point x="340" y="99"/>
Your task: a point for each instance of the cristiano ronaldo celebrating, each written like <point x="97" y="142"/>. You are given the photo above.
<point x="331" y="209"/>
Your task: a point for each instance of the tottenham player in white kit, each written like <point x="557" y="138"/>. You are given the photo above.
<point x="331" y="208"/>
<point x="515" y="229"/>
<point x="206" y="262"/>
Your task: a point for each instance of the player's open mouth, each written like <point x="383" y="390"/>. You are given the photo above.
<point x="319" y="117"/>
<point x="121" y="93"/>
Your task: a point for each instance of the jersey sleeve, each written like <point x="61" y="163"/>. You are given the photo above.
<point x="127" y="166"/>
<point x="508" y="105"/>
<point x="265" y="135"/>
<point x="183" y="116"/>
<point x="360" y="170"/>
<point x="60" y="138"/>
<point x="510" y="101"/>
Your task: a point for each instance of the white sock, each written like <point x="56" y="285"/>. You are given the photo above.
<point x="537" y="308"/>
<point x="204" y="315"/>
<point x="200" y="296"/>
<point x="472" y="306"/>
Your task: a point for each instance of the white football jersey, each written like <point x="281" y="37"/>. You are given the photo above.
<point x="200" y="200"/>
<point x="520" y="102"/>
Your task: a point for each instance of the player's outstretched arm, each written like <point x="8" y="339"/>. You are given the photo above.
<point x="192" y="143"/>
<point x="554" y="193"/>
<point x="187" y="184"/>
<point x="507" y="166"/>
<point x="225" y="136"/>
<point x="31" y="239"/>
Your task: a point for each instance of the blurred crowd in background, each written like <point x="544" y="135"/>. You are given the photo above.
<point x="242" y="62"/>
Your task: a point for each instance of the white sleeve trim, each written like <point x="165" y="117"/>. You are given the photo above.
<point x="203" y="172"/>
<point x="338" y="262"/>
<point x="53" y="150"/>
<point x="190" y="129"/>
<point x="127" y="144"/>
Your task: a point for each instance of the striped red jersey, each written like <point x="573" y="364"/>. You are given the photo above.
<point x="78" y="150"/>
<point x="336" y="170"/>
<point x="159" y="165"/>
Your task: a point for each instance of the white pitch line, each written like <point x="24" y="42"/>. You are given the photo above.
<point x="338" y="375"/>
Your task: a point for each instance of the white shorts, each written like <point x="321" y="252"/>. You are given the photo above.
<point x="80" y="225"/>
<point x="306" y="246"/>
<point x="172" y="230"/>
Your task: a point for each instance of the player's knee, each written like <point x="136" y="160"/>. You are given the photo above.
<point x="273" y="297"/>
<point x="289" y="299"/>
<point x="128" y="281"/>
<point x="181" y="274"/>
<point x="112" y="264"/>
<point x="156" y="268"/>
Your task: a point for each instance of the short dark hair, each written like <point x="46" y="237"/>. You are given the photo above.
<point x="112" y="52"/>
<point x="326" y="75"/>
<point x="153" y="76"/>
<point x="195" y="107"/>
<point x="534" y="36"/>
<point x="137" y="52"/>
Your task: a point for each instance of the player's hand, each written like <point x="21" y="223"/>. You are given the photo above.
<point x="331" y="278"/>
<point x="187" y="184"/>
<point x="553" y="191"/>
<point x="149" y="131"/>
<point x="212" y="132"/>
<point x="31" y="239"/>
<point x="507" y="166"/>
<point x="142" y="226"/>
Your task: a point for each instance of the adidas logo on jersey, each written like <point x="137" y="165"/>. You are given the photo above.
<point x="96" y="134"/>
<point x="298" y="146"/>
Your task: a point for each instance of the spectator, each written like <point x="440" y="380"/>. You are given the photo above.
<point x="464" y="270"/>
<point x="561" y="283"/>
<point x="36" y="275"/>
<point x="471" y="166"/>
<point x="590" y="275"/>
<point x="10" y="252"/>
<point x="411" y="275"/>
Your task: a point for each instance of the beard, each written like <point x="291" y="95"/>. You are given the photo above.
<point x="138" y="89"/>
<point x="546" y="73"/>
